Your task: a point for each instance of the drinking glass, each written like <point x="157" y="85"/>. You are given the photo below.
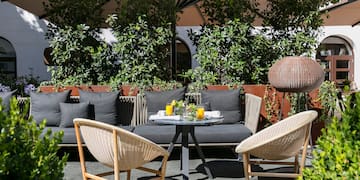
<point x="169" y="109"/>
<point x="200" y="113"/>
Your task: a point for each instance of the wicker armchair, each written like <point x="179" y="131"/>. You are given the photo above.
<point x="280" y="141"/>
<point x="116" y="148"/>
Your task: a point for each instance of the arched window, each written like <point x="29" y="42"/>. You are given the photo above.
<point x="7" y="58"/>
<point x="336" y="56"/>
<point x="183" y="58"/>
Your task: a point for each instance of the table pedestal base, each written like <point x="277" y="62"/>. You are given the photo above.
<point x="185" y="130"/>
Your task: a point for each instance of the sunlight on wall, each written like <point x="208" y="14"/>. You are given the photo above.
<point x="31" y="19"/>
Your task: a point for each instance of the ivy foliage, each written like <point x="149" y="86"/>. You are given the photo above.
<point x="24" y="154"/>
<point x="338" y="153"/>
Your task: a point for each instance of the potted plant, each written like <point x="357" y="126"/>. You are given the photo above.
<point x="141" y="50"/>
<point x="329" y="105"/>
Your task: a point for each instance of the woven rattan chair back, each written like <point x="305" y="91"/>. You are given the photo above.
<point x="117" y="148"/>
<point x="280" y="141"/>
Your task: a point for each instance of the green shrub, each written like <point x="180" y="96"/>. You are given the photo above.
<point x="23" y="153"/>
<point x="141" y="50"/>
<point x="338" y="153"/>
<point x="79" y="58"/>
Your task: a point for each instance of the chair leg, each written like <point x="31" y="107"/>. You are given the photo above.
<point x="303" y="159"/>
<point x="81" y="152"/>
<point x="163" y="167"/>
<point x="247" y="166"/>
<point x="128" y="174"/>
<point x="296" y="163"/>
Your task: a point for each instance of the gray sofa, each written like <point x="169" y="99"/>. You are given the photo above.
<point x="59" y="110"/>
<point x="107" y="107"/>
<point x="230" y="132"/>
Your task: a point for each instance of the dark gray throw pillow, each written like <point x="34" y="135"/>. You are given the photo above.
<point x="6" y="96"/>
<point x="47" y="106"/>
<point x="227" y="102"/>
<point x="102" y="106"/>
<point x="156" y="100"/>
<point x="69" y="111"/>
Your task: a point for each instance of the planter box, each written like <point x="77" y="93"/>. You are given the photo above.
<point x="217" y="87"/>
<point x="75" y="89"/>
<point x="259" y="90"/>
<point x="128" y="90"/>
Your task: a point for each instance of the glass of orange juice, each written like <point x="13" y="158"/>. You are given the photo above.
<point x="169" y="109"/>
<point x="200" y="113"/>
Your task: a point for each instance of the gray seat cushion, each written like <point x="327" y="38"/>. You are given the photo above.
<point x="227" y="102"/>
<point x="159" y="134"/>
<point x="220" y="133"/>
<point x="69" y="134"/>
<point x="103" y="105"/>
<point x="47" y="106"/>
<point x="156" y="101"/>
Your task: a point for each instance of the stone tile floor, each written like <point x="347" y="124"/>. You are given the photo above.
<point x="222" y="162"/>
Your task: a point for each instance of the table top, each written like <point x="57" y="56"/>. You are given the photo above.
<point x="185" y="122"/>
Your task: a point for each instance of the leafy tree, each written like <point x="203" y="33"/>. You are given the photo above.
<point x="157" y="13"/>
<point x="289" y="29"/>
<point x="221" y="11"/>
<point x="24" y="154"/>
<point x="79" y="58"/>
<point x="141" y="50"/>
<point x="288" y="17"/>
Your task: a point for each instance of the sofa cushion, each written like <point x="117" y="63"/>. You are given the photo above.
<point x="160" y="134"/>
<point x="156" y="101"/>
<point x="69" y="134"/>
<point x="222" y="133"/>
<point x="103" y="105"/>
<point x="6" y="96"/>
<point x="69" y="111"/>
<point x="47" y="106"/>
<point x="228" y="102"/>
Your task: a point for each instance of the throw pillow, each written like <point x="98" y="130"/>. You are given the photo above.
<point x="103" y="105"/>
<point x="47" y="106"/>
<point x="227" y="102"/>
<point x="6" y="96"/>
<point x="156" y="101"/>
<point x="69" y="111"/>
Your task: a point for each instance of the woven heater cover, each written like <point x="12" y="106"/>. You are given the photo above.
<point x="296" y="74"/>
